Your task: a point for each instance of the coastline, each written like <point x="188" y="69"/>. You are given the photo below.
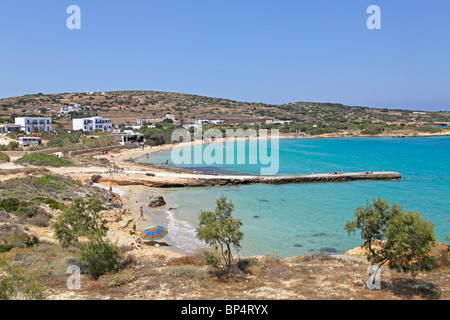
<point x="138" y="154"/>
<point x="135" y="195"/>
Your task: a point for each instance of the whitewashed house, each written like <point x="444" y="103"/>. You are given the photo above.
<point x="142" y="121"/>
<point x="197" y="124"/>
<point x="67" y="109"/>
<point x="279" y="122"/>
<point x="33" y="124"/>
<point x="91" y="124"/>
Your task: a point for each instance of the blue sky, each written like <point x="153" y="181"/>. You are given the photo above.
<point x="249" y="50"/>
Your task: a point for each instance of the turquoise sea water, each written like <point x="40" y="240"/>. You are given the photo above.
<point x="294" y="219"/>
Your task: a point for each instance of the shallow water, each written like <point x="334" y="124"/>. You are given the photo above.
<point x="294" y="219"/>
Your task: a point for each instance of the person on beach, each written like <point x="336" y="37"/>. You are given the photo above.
<point x="166" y="164"/>
<point x="142" y="213"/>
<point x="137" y="243"/>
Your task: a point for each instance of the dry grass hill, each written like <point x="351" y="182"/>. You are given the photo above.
<point x="127" y="106"/>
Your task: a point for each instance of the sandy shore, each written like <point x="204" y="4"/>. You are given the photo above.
<point x="135" y="196"/>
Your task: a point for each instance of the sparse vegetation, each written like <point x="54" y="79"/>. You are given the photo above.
<point x="4" y="157"/>
<point x="18" y="282"/>
<point x="43" y="160"/>
<point x="82" y="220"/>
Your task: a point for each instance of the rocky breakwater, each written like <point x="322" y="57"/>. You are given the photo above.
<point x="202" y="180"/>
<point x="332" y="177"/>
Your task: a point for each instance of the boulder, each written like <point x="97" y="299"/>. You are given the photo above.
<point x="156" y="201"/>
<point x="95" y="178"/>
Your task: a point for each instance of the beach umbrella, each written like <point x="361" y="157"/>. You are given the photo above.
<point x="154" y="233"/>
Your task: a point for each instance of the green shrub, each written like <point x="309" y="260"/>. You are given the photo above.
<point x="10" y="204"/>
<point x="20" y="239"/>
<point x="429" y="129"/>
<point x="101" y="257"/>
<point x="53" y="204"/>
<point x="373" y="130"/>
<point x="5" y="247"/>
<point x="40" y="159"/>
<point x="59" y="142"/>
<point x="245" y="263"/>
<point x="17" y="281"/>
<point x="24" y="211"/>
<point x="4" y="157"/>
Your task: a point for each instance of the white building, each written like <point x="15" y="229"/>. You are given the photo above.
<point x="134" y="129"/>
<point x="8" y="128"/>
<point x="91" y="124"/>
<point x="142" y="121"/>
<point x="218" y="122"/>
<point x="67" y="109"/>
<point x="280" y="122"/>
<point x="196" y="126"/>
<point x="33" y="124"/>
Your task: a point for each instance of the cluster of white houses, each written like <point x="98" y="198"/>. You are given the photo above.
<point x="39" y="124"/>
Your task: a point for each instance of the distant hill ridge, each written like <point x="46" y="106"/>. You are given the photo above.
<point x="142" y="104"/>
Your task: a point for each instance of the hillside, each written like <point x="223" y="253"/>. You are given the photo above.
<point x="130" y="105"/>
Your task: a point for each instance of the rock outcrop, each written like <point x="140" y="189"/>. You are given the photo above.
<point x="156" y="201"/>
<point x="121" y="220"/>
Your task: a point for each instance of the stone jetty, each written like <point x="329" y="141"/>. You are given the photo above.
<point x="174" y="180"/>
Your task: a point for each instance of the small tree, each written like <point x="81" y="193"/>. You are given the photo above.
<point x="219" y="229"/>
<point x="402" y="239"/>
<point x="82" y="220"/>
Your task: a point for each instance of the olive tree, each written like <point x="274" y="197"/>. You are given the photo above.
<point x="219" y="229"/>
<point x="401" y="239"/>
